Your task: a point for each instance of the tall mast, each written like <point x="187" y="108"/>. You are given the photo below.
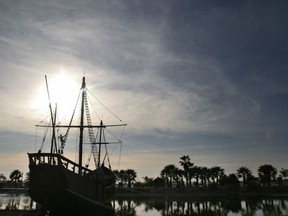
<point x="53" y="120"/>
<point x="83" y="88"/>
<point x="100" y="142"/>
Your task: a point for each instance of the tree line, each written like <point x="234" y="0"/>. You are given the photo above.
<point x="191" y="175"/>
<point x="15" y="179"/>
<point x="188" y="175"/>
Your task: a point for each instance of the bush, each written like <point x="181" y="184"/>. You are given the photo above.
<point x="213" y="186"/>
<point x="254" y="187"/>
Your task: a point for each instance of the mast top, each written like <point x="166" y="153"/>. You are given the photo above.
<point x="83" y="83"/>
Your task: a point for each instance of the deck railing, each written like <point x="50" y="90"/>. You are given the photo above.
<point x="56" y="160"/>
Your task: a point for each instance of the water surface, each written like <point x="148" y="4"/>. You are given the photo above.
<point x="21" y="204"/>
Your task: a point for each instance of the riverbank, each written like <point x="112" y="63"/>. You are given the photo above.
<point x="13" y="190"/>
<point x="200" y="192"/>
<point x="181" y="192"/>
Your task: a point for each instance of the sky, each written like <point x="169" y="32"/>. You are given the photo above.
<point x="206" y="79"/>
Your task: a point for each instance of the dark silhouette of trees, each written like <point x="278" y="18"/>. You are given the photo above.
<point x="15" y="177"/>
<point x="125" y="177"/>
<point x="169" y="174"/>
<point x="232" y="183"/>
<point x="284" y="173"/>
<point x="116" y="172"/>
<point x="2" y="180"/>
<point x="245" y="174"/>
<point x="187" y="166"/>
<point x="190" y="175"/>
<point x="197" y="173"/>
<point x="216" y="173"/>
<point x="147" y="181"/>
<point x="131" y="176"/>
<point x="122" y="176"/>
<point x="204" y="176"/>
<point x="266" y="174"/>
<point x="27" y="179"/>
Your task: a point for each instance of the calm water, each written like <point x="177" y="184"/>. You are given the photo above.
<point x="21" y="204"/>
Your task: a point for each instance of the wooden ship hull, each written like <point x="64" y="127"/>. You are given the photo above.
<point x="55" y="183"/>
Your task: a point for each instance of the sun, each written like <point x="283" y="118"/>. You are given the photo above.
<point x="63" y="92"/>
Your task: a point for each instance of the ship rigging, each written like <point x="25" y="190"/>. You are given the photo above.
<point x="55" y="180"/>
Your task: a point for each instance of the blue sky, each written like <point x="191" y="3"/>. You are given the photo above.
<point x="206" y="79"/>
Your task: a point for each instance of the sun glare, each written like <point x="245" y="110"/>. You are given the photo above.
<point x="63" y="91"/>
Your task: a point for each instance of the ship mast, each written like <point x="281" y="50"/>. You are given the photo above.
<point x="53" y="120"/>
<point x="83" y="88"/>
<point x="100" y="141"/>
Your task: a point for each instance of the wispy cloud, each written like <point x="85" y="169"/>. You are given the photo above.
<point x="196" y="73"/>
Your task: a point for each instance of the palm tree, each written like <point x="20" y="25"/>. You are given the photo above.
<point x="122" y="177"/>
<point x="196" y="173"/>
<point x="178" y="177"/>
<point x="15" y="176"/>
<point x="131" y="176"/>
<point x="187" y="165"/>
<point x="204" y="176"/>
<point x="245" y="174"/>
<point x="267" y="173"/>
<point x="284" y="173"/>
<point x="168" y="173"/>
<point x="216" y="173"/>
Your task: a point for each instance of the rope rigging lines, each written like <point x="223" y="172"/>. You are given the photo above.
<point x="62" y="138"/>
<point x="97" y="137"/>
<point x="90" y="131"/>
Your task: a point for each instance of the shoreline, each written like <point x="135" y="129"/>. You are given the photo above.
<point x="176" y="193"/>
<point x="199" y="192"/>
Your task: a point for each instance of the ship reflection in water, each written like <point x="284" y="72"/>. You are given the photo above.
<point x="16" y="204"/>
<point x="20" y="204"/>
